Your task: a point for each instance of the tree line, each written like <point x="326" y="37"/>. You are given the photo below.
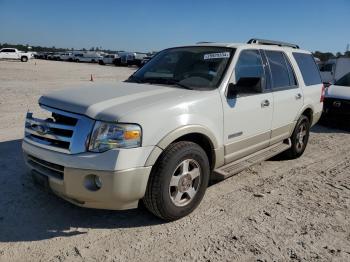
<point x="323" y="56"/>
<point x="51" y="49"/>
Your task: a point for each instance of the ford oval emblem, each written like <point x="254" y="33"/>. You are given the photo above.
<point x="42" y="130"/>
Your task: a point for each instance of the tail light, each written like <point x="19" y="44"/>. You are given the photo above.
<point x="323" y="93"/>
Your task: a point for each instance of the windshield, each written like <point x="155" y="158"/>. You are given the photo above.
<point x="197" y="67"/>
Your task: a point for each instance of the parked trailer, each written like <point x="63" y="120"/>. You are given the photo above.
<point x="334" y="69"/>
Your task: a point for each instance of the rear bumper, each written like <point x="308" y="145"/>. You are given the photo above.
<point x="120" y="188"/>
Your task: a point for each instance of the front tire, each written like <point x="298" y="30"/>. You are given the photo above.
<point x="178" y="181"/>
<point x="299" y="138"/>
<point x="24" y="59"/>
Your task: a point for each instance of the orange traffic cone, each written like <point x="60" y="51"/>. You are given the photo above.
<point x="91" y="78"/>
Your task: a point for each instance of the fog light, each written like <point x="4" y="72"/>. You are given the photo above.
<point x="98" y="182"/>
<point x="92" y="182"/>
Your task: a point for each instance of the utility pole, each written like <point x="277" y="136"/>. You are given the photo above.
<point x="347" y="47"/>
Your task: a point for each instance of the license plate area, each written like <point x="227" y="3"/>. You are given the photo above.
<point x="41" y="180"/>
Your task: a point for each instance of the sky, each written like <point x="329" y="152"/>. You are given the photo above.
<point x="147" y="25"/>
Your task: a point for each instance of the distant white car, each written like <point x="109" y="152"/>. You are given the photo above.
<point x="109" y="59"/>
<point x="67" y="56"/>
<point x="132" y="58"/>
<point x="337" y="99"/>
<point x="14" y="54"/>
<point x="91" y="57"/>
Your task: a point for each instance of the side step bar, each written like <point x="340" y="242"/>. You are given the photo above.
<point x="241" y="164"/>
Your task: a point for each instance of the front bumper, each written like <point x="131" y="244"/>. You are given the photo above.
<point x="123" y="184"/>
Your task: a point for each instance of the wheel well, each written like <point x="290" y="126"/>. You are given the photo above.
<point x="308" y="113"/>
<point x="204" y="142"/>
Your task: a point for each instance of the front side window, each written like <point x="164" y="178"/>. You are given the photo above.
<point x="308" y="68"/>
<point x="196" y="67"/>
<point x="279" y="70"/>
<point x="344" y="81"/>
<point x="249" y="64"/>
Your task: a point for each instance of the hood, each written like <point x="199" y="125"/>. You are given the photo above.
<point x="341" y="92"/>
<point x="111" y="102"/>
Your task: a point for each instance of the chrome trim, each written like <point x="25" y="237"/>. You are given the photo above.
<point x="48" y="147"/>
<point x="48" y="134"/>
<point x="37" y="121"/>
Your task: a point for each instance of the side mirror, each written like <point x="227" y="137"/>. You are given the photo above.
<point x="232" y="91"/>
<point x="246" y="86"/>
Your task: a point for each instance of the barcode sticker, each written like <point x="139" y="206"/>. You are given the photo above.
<point x="217" y="55"/>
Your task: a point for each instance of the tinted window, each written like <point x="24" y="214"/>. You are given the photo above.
<point x="249" y="64"/>
<point x="249" y="71"/>
<point x="279" y="69"/>
<point x="308" y="68"/>
<point x="292" y="78"/>
<point x="344" y="81"/>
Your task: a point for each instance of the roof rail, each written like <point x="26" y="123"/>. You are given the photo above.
<point x="271" y="42"/>
<point x="204" y="42"/>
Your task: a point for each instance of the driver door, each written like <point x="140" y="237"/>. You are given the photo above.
<point x="248" y="115"/>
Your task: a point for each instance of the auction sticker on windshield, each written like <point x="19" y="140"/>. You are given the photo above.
<point x="217" y="55"/>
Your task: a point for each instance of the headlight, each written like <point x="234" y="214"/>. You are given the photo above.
<point x="106" y="136"/>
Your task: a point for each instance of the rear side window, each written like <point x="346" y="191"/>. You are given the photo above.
<point x="281" y="70"/>
<point x="308" y="68"/>
<point x="344" y="81"/>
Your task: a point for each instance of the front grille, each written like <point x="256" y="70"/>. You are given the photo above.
<point x="45" y="168"/>
<point x="58" y="131"/>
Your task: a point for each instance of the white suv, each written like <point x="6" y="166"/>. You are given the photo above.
<point x="191" y="114"/>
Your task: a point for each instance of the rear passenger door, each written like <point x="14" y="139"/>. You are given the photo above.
<point x="287" y="95"/>
<point x="312" y="83"/>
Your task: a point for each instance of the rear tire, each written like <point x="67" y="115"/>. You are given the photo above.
<point x="178" y="181"/>
<point x="24" y="59"/>
<point x="299" y="138"/>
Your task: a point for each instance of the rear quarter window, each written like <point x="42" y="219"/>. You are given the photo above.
<point x="308" y="68"/>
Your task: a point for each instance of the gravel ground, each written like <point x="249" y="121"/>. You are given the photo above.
<point x="278" y="210"/>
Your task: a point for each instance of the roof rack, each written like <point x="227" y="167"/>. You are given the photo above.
<point x="271" y="42"/>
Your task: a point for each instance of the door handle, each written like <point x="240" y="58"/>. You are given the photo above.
<point x="265" y="103"/>
<point x="298" y="96"/>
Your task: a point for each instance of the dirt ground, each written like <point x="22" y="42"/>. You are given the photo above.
<point x="276" y="211"/>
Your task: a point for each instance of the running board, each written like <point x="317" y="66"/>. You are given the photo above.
<point x="244" y="163"/>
